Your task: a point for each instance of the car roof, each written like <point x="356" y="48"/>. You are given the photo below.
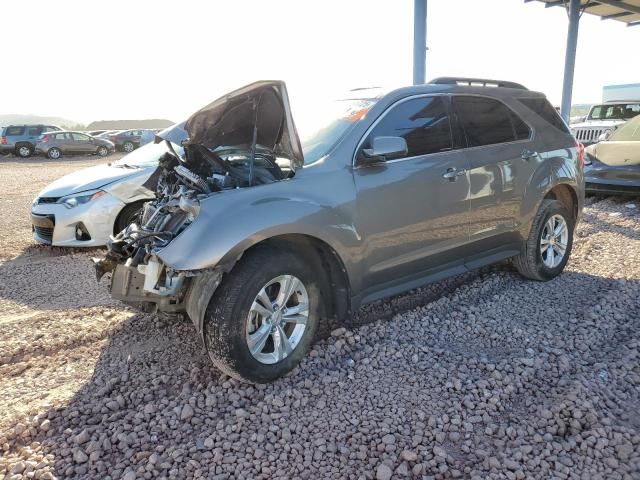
<point x="492" y="91"/>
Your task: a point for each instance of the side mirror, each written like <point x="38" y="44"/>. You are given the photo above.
<point x="383" y="149"/>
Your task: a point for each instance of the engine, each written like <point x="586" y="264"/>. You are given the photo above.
<point x="179" y="186"/>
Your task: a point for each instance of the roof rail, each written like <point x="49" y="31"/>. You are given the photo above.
<point x="476" y="82"/>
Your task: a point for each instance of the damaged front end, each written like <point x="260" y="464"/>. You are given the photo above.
<point x="244" y="139"/>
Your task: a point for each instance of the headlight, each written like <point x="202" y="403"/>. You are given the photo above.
<point x="80" y="199"/>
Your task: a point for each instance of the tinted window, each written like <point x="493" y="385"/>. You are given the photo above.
<point x="521" y="129"/>
<point x="544" y="109"/>
<point x="14" y="131"/>
<point x="35" y="130"/>
<point x="487" y="121"/>
<point x="422" y="122"/>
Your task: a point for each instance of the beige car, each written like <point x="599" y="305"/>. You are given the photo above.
<point x="613" y="165"/>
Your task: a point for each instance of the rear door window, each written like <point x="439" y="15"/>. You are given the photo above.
<point x="79" y="137"/>
<point x="487" y="121"/>
<point x="423" y="122"/>
<point x="34" y="131"/>
<point x="14" y="131"/>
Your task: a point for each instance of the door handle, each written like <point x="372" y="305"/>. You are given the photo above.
<point x="452" y="173"/>
<point x="527" y="154"/>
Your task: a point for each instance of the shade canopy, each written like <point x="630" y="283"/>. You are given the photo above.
<point x="626" y="11"/>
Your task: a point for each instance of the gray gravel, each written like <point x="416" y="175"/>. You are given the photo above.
<point x="482" y="376"/>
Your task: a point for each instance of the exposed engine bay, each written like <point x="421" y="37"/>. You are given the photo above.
<point x="243" y="140"/>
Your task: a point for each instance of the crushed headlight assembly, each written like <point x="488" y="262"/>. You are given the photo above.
<point x="72" y="201"/>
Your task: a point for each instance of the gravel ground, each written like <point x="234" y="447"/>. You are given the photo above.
<point x="482" y="376"/>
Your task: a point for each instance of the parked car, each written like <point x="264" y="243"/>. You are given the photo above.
<point x="613" y="166"/>
<point x="261" y="238"/>
<point x="127" y="140"/>
<point x="21" y="139"/>
<point x="84" y="208"/>
<point x="56" y="144"/>
<point x="603" y="119"/>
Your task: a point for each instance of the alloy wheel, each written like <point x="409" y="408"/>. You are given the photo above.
<point x="277" y="319"/>
<point x="554" y="241"/>
<point x="24" y="151"/>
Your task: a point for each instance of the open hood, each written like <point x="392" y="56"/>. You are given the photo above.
<point x="230" y="120"/>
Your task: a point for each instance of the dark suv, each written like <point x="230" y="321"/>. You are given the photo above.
<point x="261" y="238"/>
<point x="21" y="139"/>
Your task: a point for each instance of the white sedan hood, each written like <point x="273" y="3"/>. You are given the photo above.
<point x="93" y="178"/>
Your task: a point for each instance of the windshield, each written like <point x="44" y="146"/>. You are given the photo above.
<point x="147" y="155"/>
<point x="617" y="111"/>
<point x="629" y="132"/>
<point x="326" y="126"/>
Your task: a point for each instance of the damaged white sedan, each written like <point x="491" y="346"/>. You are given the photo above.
<point x="87" y="207"/>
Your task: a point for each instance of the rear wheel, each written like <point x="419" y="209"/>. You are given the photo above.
<point x="54" y="153"/>
<point x="548" y="247"/>
<point x="262" y="319"/>
<point x="128" y="147"/>
<point x="24" y="150"/>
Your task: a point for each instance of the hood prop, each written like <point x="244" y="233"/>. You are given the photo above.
<point x="252" y="156"/>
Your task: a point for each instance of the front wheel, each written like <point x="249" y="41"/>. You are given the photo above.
<point x="262" y="319"/>
<point x="128" y="147"/>
<point x="102" y="151"/>
<point x="548" y="247"/>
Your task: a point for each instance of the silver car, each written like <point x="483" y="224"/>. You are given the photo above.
<point x="264" y="240"/>
<point x="56" y="144"/>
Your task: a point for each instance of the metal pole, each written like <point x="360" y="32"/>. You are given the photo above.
<point x="570" y="58"/>
<point x="419" y="41"/>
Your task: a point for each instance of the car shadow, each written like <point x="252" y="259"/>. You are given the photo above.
<point x="153" y="390"/>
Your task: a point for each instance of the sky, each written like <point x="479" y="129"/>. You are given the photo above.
<point x="94" y="60"/>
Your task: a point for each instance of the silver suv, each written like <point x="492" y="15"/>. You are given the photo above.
<point x="265" y="240"/>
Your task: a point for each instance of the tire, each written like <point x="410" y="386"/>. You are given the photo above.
<point x="128" y="147"/>
<point x="24" y="150"/>
<point x="534" y="262"/>
<point x="102" y="151"/>
<point x="54" y="153"/>
<point x="227" y="320"/>
<point x="129" y="214"/>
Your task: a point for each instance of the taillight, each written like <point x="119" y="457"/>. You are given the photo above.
<point x="44" y="139"/>
<point x="3" y="140"/>
<point x="580" y="152"/>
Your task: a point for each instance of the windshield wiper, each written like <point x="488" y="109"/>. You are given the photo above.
<point x="126" y="165"/>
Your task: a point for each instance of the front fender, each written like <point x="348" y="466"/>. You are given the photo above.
<point x="232" y="221"/>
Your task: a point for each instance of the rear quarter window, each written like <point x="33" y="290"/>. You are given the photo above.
<point x="13" y="131"/>
<point x="545" y="110"/>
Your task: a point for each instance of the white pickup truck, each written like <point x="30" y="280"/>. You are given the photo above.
<point x="604" y="118"/>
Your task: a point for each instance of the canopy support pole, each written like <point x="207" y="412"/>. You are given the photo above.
<point x="419" y="41"/>
<point x="570" y="58"/>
